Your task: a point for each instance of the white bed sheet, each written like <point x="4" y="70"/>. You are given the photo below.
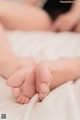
<point x="63" y="103"/>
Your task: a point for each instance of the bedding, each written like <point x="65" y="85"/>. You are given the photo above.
<point x="63" y="103"/>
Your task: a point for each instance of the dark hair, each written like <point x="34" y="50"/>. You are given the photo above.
<point x="56" y="7"/>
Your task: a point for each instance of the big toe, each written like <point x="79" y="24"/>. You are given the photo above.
<point x="44" y="90"/>
<point x="22" y="99"/>
<point x="44" y="87"/>
<point x="43" y="79"/>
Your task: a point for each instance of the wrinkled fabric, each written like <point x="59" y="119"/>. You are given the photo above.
<point x="63" y="103"/>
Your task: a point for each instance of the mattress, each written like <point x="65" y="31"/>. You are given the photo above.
<point x="62" y="103"/>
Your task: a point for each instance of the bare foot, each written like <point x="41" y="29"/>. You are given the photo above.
<point x="50" y="74"/>
<point x="21" y="78"/>
<point x="65" y="22"/>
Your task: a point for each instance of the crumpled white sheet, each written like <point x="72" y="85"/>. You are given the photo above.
<point x="63" y="103"/>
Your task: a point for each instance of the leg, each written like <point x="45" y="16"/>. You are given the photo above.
<point x="19" y="72"/>
<point x="23" y="16"/>
<point x="52" y="74"/>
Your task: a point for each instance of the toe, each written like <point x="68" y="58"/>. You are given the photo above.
<point x="43" y="80"/>
<point x="22" y="81"/>
<point x="45" y="77"/>
<point x="16" y="92"/>
<point x="23" y="100"/>
<point x="19" y="98"/>
<point x="27" y="100"/>
<point x="41" y="96"/>
<point x="44" y="88"/>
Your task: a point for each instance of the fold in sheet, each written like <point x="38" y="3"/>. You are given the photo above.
<point x="63" y="103"/>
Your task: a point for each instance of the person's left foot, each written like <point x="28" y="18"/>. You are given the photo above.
<point x="50" y="74"/>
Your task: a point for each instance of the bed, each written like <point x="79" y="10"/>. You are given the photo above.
<point x="63" y="103"/>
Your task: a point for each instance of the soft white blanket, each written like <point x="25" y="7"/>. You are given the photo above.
<point x="63" y="103"/>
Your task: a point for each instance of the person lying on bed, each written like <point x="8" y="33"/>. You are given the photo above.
<point x="26" y="77"/>
<point x="21" y="73"/>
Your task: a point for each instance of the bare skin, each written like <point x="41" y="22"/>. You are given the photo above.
<point x="19" y="72"/>
<point x="21" y="76"/>
<point x="23" y="69"/>
<point x="68" y="21"/>
<point x="51" y="74"/>
<point x="22" y="79"/>
<point x="23" y="17"/>
<point x="19" y="16"/>
<point x="16" y="20"/>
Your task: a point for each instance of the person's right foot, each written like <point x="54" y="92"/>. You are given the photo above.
<point x="21" y="77"/>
